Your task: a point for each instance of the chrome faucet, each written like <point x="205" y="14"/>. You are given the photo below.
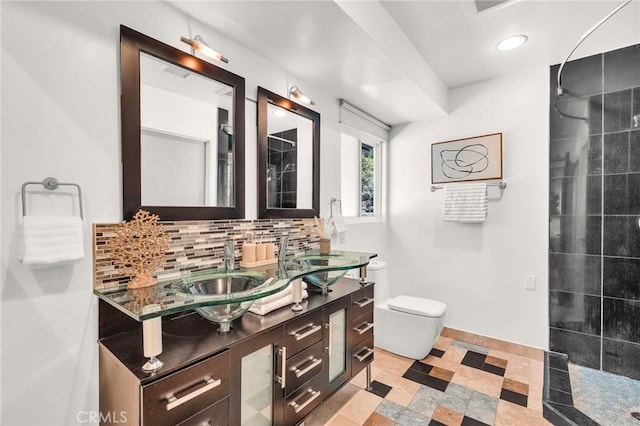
<point x="282" y="254"/>
<point x="229" y="256"/>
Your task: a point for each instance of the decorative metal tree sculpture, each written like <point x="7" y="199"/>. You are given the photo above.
<point x="139" y="247"/>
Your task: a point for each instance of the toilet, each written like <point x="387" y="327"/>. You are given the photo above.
<point x="404" y="325"/>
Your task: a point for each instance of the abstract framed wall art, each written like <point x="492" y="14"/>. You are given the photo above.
<point x="461" y="160"/>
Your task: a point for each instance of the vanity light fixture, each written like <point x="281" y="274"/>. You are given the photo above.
<point x="198" y="45"/>
<point x="512" y="42"/>
<point x="299" y="96"/>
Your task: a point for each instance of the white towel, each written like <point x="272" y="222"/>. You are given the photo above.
<point x="264" y="309"/>
<point x="466" y="203"/>
<point x="48" y="240"/>
<point x="276" y="296"/>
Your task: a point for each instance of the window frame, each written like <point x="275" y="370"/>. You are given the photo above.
<point x="379" y="172"/>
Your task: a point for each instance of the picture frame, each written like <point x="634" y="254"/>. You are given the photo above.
<point x="467" y="159"/>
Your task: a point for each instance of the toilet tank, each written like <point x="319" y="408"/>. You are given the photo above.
<point x="377" y="272"/>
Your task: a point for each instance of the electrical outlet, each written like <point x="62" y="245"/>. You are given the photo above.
<point x="530" y="282"/>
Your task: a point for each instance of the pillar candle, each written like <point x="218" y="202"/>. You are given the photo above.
<point x="249" y="252"/>
<point x="270" y="251"/>
<point x="261" y="252"/>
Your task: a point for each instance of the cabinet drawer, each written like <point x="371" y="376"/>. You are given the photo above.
<point x="304" y="366"/>
<point x="303" y="332"/>
<point x="361" y="304"/>
<point x="176" y="397"/>
<point x="214" y="415"/>
<point x="301" y="402"/>
<point x="361" y="328"/>
<point x="361" y="355"/>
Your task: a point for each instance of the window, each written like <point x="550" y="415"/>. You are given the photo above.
<point x="361" y="177"/>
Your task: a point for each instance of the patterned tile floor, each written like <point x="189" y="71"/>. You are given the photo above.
<point x="465" y="380"/>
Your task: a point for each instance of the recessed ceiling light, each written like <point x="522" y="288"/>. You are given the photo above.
<point x="512" y="42"/>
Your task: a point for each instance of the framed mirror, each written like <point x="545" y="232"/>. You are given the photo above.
<point x="183" y="130"/>
<point x="288" y="158"/>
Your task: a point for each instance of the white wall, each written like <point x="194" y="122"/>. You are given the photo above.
<point x="60" y="115"/>
<point x="478" y="270"/>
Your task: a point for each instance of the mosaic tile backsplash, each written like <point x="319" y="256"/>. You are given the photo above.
<point x="198" y="245"/>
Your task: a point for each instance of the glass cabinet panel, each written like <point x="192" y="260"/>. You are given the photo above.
<point x="337" y="344"/>
<point x="257" y="387"/>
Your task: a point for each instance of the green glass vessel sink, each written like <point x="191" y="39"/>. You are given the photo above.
<point x="333" y="266"/>
<point x="239" y="285"/>
<point x="222" y="296"/>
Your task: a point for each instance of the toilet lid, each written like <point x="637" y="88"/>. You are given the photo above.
<point x="417" y="306"/>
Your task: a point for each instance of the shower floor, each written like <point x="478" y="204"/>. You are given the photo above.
<point x="607" y="398"/>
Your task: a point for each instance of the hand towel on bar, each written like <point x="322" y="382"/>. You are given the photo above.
<point x="48" y="240"/>
<point x="276" y="304"/>
<point x="466" y="203"/>
<point x="276" y="296"/>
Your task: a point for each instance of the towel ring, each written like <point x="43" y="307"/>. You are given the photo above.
<point x="51" y="184"/>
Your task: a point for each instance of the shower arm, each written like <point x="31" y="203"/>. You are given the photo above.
<point x="583" y="38"/>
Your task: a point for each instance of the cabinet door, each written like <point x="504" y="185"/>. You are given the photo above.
<point x="257" y="388"/>
<point x="337" y="360"/>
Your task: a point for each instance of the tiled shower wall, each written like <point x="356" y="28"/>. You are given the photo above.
<point x="594" y="206"/>
<point x="198" y="245"/>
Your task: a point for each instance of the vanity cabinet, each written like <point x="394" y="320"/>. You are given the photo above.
<point x="268" y="370"/>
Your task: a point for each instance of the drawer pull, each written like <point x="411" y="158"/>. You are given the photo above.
<point x="283" y="367"/>
<point x="361" y="330"/>
<point x="366" y="354"/>
<point x="299" y="407"/>
<point x="314" y="363"/>
<point x="363" y="302"/>
<point x="174" y="402"/>
<point x="299" y="336"/>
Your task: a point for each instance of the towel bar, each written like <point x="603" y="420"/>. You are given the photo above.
<point x="51" y="184"/>
<point x="501" y="185"/>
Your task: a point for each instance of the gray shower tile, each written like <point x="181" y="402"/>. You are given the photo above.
<point x="615" y="195"/>
<point x="569" y="118"/>
<point x="621" y="319"/>
<point x="575" y="234"/>
<point x="616" y="153"/>
<point x="576" y="312"/>
<point x="617" y="111"/>
<point x="622" y="69"/>
<point x="575" y="273"/>
<point x="634" y="151"/>
<point x="621" y="358"/>
<point x="633" y="195"/>
<point x="565" y="163"/>
<point x="621" y="278"/>
<point x="621" y="236"/>
<point x="581" y="77"/>
<point x="583" y="349"/>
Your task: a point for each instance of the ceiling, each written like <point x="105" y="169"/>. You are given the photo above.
<point x="398" y="59"/>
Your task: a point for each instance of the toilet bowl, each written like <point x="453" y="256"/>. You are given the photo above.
<point x="404" y="325"/>
<point x="408" y="326"/>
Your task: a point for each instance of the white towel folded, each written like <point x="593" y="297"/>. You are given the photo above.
<point x="277" y="296"/>
<point x="466" y="203"/>
<point x="264" y="309"/>
<point x="48" y="240"/>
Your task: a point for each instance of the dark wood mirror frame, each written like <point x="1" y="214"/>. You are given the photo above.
<point x="131" y="44"/>
<point x="265" y="97"/>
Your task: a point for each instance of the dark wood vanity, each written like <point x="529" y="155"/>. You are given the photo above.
<point x="273" y="369"/>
